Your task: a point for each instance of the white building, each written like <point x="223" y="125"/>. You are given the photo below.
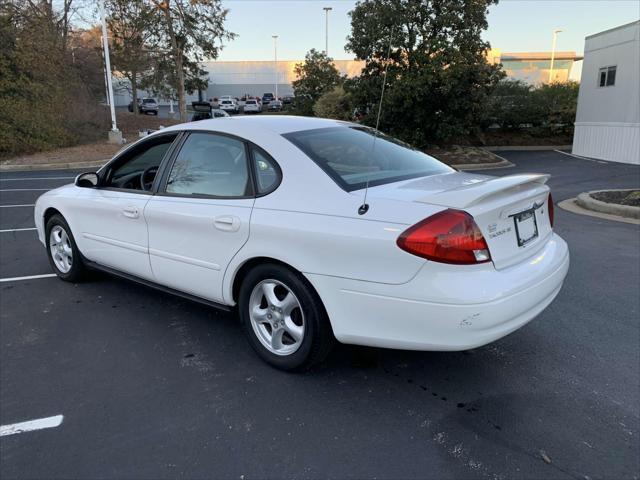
<point x="608" y="116"/>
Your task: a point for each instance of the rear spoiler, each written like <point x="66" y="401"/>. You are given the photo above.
<point x="472" y="194"/>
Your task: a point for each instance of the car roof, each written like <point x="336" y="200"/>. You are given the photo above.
<point x="246" y="125"/>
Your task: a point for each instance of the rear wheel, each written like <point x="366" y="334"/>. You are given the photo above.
<point x="283" y="318"/>
<point x="62" y="251"/>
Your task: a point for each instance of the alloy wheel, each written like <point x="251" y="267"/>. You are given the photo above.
<point x="276" y="317"/>
<point x="60" y="248"/>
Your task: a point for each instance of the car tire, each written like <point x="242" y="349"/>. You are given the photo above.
<point x="296" y="311"/>
<point x="62" y="251"/>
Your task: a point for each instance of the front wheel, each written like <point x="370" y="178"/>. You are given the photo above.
<point x="283" y="318"/>
<point x="62" y="250"/>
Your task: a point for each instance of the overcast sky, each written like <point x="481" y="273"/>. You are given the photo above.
<point x="514" y="25"/>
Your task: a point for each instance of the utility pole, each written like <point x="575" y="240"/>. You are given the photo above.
<point x="553" y="53"/>
<point x="275" y="61"/>
<point x="326" y="29"/>
<point x="115" y="136"/>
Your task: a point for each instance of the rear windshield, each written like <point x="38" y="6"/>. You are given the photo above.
<point x="348" y="156"/>
<point x="251" y="102"/>
<point x="148" y="100"/>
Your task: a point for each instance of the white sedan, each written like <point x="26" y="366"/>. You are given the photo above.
<point x="252" y="106"/>
<point x="314" y="230"/>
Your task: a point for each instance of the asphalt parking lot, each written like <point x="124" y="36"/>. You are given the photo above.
<point x="152" y="386"/>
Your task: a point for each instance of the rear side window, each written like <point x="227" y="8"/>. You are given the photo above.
<point x="267" y="172"/>
<point x="210" y="165"/>
<point x="348" y="156"/>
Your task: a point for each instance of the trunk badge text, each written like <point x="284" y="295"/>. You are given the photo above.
<point x="494" y="232"/>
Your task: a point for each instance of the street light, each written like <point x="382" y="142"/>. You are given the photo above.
<point x="275" y="60"/>
<point x="326" y="30"/>
<point x="553" y="53"/>
<point x="115" y="136"/>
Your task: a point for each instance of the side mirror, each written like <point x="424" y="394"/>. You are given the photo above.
<point x="87" y="180"/>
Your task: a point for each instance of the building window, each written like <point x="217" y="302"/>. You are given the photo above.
<point x="607" y="77"/>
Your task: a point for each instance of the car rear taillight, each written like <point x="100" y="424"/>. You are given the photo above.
<point x="550" y="209"/>
<point x="450" y="236"/>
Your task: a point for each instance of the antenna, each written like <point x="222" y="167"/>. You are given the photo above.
<point x="364" y="208"/>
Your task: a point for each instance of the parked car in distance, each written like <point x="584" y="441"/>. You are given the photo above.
<point x="202" y="111"/>
<point x="219" y="113"/>
<point x="146" y="105"/>
<point x="275" y="105"/>
<point x="228" y="105"/>
<point x="314" y="230"/>
<point x="252" y="106"/>
<point x="288" y="99"/>
<point x="266" y="98"/>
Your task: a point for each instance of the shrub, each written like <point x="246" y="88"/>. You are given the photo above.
<point x="47" y="97"/>
<point x="335" y="104"/>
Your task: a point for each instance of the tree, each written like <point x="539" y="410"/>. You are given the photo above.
<point x="511" y="105"/>
<point x="161" y="78"/>
<point x="131" y="23"/>
<point x="558" y="102"/>
<point x="50" y="77"/>
<point x="192" y="30"/>
<point x="438" y="77"/>
<point x="335" y="104"/>
<point x="515" y="105"/>
<point x="316" y="76"/>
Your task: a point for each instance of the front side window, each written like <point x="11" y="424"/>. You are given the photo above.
<point x="210" y="165"/>
<point x="136" y="168"/>
<point x="348" y="155"/>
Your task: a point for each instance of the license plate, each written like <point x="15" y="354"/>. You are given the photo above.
<point x="526" y="226"/>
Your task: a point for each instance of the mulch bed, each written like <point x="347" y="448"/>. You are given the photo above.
<point x="463" y="155"/>
<point x="626" y="197"/>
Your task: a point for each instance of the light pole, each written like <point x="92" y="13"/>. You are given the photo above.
<point x="553" y="53"/>
<point x="115" y="136"/>
<point x="326" y="29"/>
<point x="275" y="60"/>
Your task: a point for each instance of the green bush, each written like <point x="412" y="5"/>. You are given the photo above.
<point x="47" y="99"/>
<point x="335" y="104"/>
<point x="515" y="105"/>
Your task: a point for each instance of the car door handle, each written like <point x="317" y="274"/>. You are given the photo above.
<point x="131" y="212"/>
<point x="227" y="223"/>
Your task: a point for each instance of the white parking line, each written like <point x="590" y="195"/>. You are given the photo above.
<point x="30" y="277"/>
<point x="31" y="425"/>
<point x="13" y="206"/>
<point x="17" y="230"/>
<point x="34" y="178"/>
<point x="24" y="189"/>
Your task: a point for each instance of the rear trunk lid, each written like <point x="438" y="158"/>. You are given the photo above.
<point x="510" y="211"/>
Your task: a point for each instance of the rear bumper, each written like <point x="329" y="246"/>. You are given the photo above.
<point x="444" y="307"/>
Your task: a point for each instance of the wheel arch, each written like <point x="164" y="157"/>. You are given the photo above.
<point x="248" y="264"/>
<point x="48" y="213"/>
<point x="245" y="267"/>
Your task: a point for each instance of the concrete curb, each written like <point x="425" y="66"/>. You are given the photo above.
<point x="52" y="166"/>
<point x="571" y="205"/>
<point x="484" y="166"/>
<point x="504" y="148"/>
<point x="585" y="200"/>
<point x="503" y="163"/>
